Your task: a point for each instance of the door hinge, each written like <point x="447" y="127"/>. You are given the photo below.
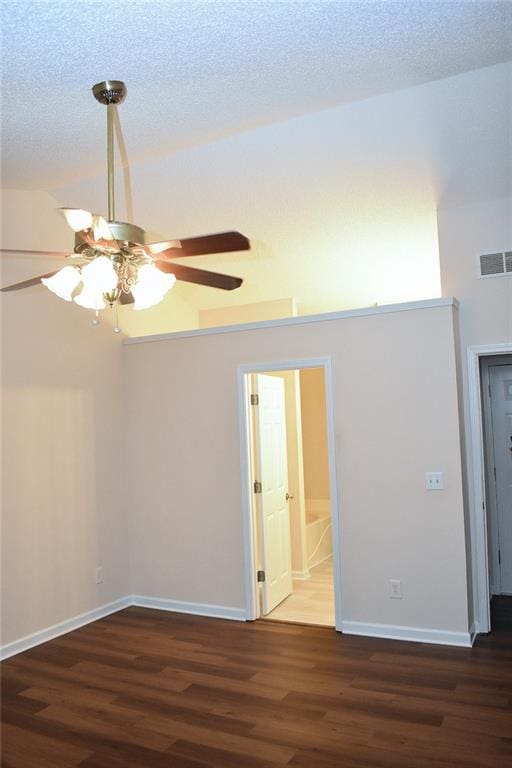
<point x="499" y="556"/>
<point x="257" y="486"/>
<point x="255" y="400"/>
<point x="261" y="575"/>
<point x="490" y="396"/>
<point x="494" y="473"/>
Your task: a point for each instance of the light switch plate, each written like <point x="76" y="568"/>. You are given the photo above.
<point x="434" y="481"/>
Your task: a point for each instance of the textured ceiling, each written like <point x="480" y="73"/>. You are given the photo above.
<point x="197" y="71"/>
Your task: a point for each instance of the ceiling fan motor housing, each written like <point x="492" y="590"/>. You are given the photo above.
<point x="121" y="230"/>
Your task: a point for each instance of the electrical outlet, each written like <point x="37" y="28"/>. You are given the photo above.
<point x="395" y="589"/>
<point x="99" y="575"/>
<point x="434" y="481"/>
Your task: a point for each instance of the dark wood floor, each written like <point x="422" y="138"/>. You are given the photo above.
<point x="148" y="689"/>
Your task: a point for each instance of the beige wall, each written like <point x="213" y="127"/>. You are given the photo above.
<point x="395" y="406"/>
<point x="314" y="433"/>
<point x="63" y="413"/>
<point x="247" y="313"/>
<point x="340" y="205"/>
<point x="180" y="314"/>
<point x="61" y="426"/>
<point x="485" y="315"/>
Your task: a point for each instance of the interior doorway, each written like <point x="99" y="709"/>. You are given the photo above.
<point x="292" y="513"/>
<point x="484" y="547"/>
<point x="496" y="393"/>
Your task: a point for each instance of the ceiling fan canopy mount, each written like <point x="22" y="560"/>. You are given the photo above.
<point x="110" y="92"/>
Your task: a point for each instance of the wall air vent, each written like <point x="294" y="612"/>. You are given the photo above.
<point x="495" y="264"/>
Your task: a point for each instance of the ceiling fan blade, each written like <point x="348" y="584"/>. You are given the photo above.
<point x="27" y="283"/>
<point x="223" y="242"/>
<point x="200" y="276"/>
<point x="45" y="254"/>
<point x="126" y="298"/>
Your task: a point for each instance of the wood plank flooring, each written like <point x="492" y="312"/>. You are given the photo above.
<point x="312" y="600"/>
<point x="149" y="689"/>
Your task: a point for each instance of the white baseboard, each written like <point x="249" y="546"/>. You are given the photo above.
<point x="301" y="575"/>
<point x="412" y="634"/>
<point x="29" y="641"/>
<point x="198" y="609"/>
<point x="389" y="631"/>
<point x="474" y="631"/>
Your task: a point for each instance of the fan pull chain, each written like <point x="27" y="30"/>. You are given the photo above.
<point x="117" y="328"/>
<point x="96" y="320"/>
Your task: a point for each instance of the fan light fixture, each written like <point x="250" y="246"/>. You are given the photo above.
<point x="110" y="269"/>
<point x="111" y="263"/>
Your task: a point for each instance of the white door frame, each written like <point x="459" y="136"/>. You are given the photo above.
<point x="251" y="585"/>
<point x="481" y="566"/>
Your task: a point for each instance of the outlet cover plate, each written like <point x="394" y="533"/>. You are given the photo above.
<point x="434" y="481"/>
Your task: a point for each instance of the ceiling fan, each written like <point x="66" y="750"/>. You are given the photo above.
<point x="111" y="259"/>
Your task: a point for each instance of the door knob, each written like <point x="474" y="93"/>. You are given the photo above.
<point x="289" y="496"/>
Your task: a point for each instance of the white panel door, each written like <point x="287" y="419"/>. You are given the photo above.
<point x="272" y="469"/>
<point x="501" y="417"/>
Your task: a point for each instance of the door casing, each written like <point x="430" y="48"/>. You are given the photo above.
<point x="488" y="364"/>
<point x="252" y="606"/>
<point x="478" y="524"/>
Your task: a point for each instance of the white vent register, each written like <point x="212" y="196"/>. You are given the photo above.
<point x="495" y="264"/>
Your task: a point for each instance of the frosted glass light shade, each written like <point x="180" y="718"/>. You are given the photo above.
<point x="77" y="218"/>
<point x="90" y="299"/>
<point x="151" y="286"/>
<point x="99" y="276"/>
<point x="63" y="283"/>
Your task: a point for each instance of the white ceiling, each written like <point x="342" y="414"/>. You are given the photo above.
<point x="197" y="71"/>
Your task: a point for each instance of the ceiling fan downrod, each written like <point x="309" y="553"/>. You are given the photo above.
<point x="110" y="93"/>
